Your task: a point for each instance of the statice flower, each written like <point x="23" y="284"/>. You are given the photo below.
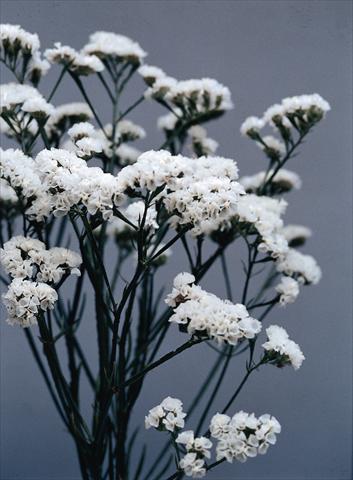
<point x="299" y="266"/>
<point x="14" y="40"/>
<point x="244" y="435"/>
<point x="200" y="194"/>
<point x="8" y="195"/>
<point x="203" y="314"/>
<point x="76" y="62"/>
<point x="65" y="116"/>
<point x="283" y="181"/>
<point x="68" y="181"/>
<point x="168" y="415"/>
<point x="201" y="143"/>
<point x="192" y="465"/>
<point x="27" y="98"/>
<point x="264" y="214"/>
<point x="296" y="235"/>
<point x="127" y="154"/>
<point x="280" y="350"/>
<point x="25" y="300"/>
<point x="288" y="288"/>
<point x="251" y="127"/>
<point x="200" y="445"/>
<point x="114" y="47"/>
<point x="85" y="140"/>
<point x="273" y="147"/>
<point x="298" y="112"/>
<point x="169" y="121"/>
<point x="150" y="74"/>
<point x="27" y="258"/>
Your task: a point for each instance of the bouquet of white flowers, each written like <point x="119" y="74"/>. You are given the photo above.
<point x="74" y="186"/>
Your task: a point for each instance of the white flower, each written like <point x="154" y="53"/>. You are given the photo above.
<point x="199" y="445"/>
<point x="7" y="193"/>
<point x="265" y="215"/>
<point x="150" y="74"/>
<point x="37" y="107"/>
<point x="14" y="38"/>
<point x="168" y="415"/>
<point x="107" y="45"/>
<point x="193" y="466"/>
<point x="296" y="235"/>
<point x="25" y="299"/>
<point x="243" y="436"/>
<point x="201" y="313"/>
<point x="77" y="62"/>
<point x="273" y="145"/>
<point x="202" y="145"/>
<point x="127" y="154"/>
<point x="251" y="125"/>
<point x="302" y="267"/>
<point x="168" y="122"/>
<point x="281" y="349"/>
<point x="288" y="288"/>
<point x="283" y="181"/>
<point x="15" y="94"/>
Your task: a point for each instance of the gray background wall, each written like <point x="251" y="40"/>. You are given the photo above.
<point x="263" y="50"/>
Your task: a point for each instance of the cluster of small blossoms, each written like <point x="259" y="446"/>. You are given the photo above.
<point x="18" y="171"/>
<point x="298" y="112"/>
<point x="288" y="289"/>
<point x="25" y="299"/>
<point x="85" y="141"/>
<point x="16" y="98"/>
<point x="8" y="196"/>
<point x="202" y="145"/>
<point x="264" y="214"/>
<point x="204" y="314"/>
<point x="194" y="98"/>
<point x="168" y="415"/>
<point x="68" y="181"/>
<point x="197" y="449"/>
<point x="64" y="117"/>
<point x="296" y="235"/>
<point x="77" y="62"/>
<point x="115" y="48"/>
<point x="303" y="268"/>
<point x="20" y="50"/>
<point x="243" y="436"/>
<point x="28" y="258"/>
<point x="280" y="350"/>
<point x="34" y="270"/>
<point x="283" y="181"/>
<point x="200" y="194"/>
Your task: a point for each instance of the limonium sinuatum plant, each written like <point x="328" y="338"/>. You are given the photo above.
<point x="85" y="213"/>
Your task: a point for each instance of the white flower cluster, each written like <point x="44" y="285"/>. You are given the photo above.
<point x="283" y="181"/>
<point x="27" y="98"/>
<point x="15" y="41"/>
<point x="68" y="181"/>
<point x="168" y="415"/>
<point x="19" y="172"/>
<point x="281" y="350"/>
<point x="77" y="62"/>
<point x="24" y="299"/>
<point x="303" y="268"/>
<point x="201" y="313"/>
<point x="65" y="116"/>
<point x="244" y="435"/>
<point x="85" y="140"/>
<point x="200" y="193"/>
<point x="197" y="449"/>
<point x="201" y="143"/>
<point x="264" y="213"/>
<point x="293" y="112"/>
<point x="194" y="97"/>
<point x="8" y="195"/>
<point x="35" y="270"/>
<point x="114" y="47"/>
<point x="296" y="235"/>
<point x="288" y="288"/>
<point x="28" y="258"/>
<point x="272" y="146"/>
